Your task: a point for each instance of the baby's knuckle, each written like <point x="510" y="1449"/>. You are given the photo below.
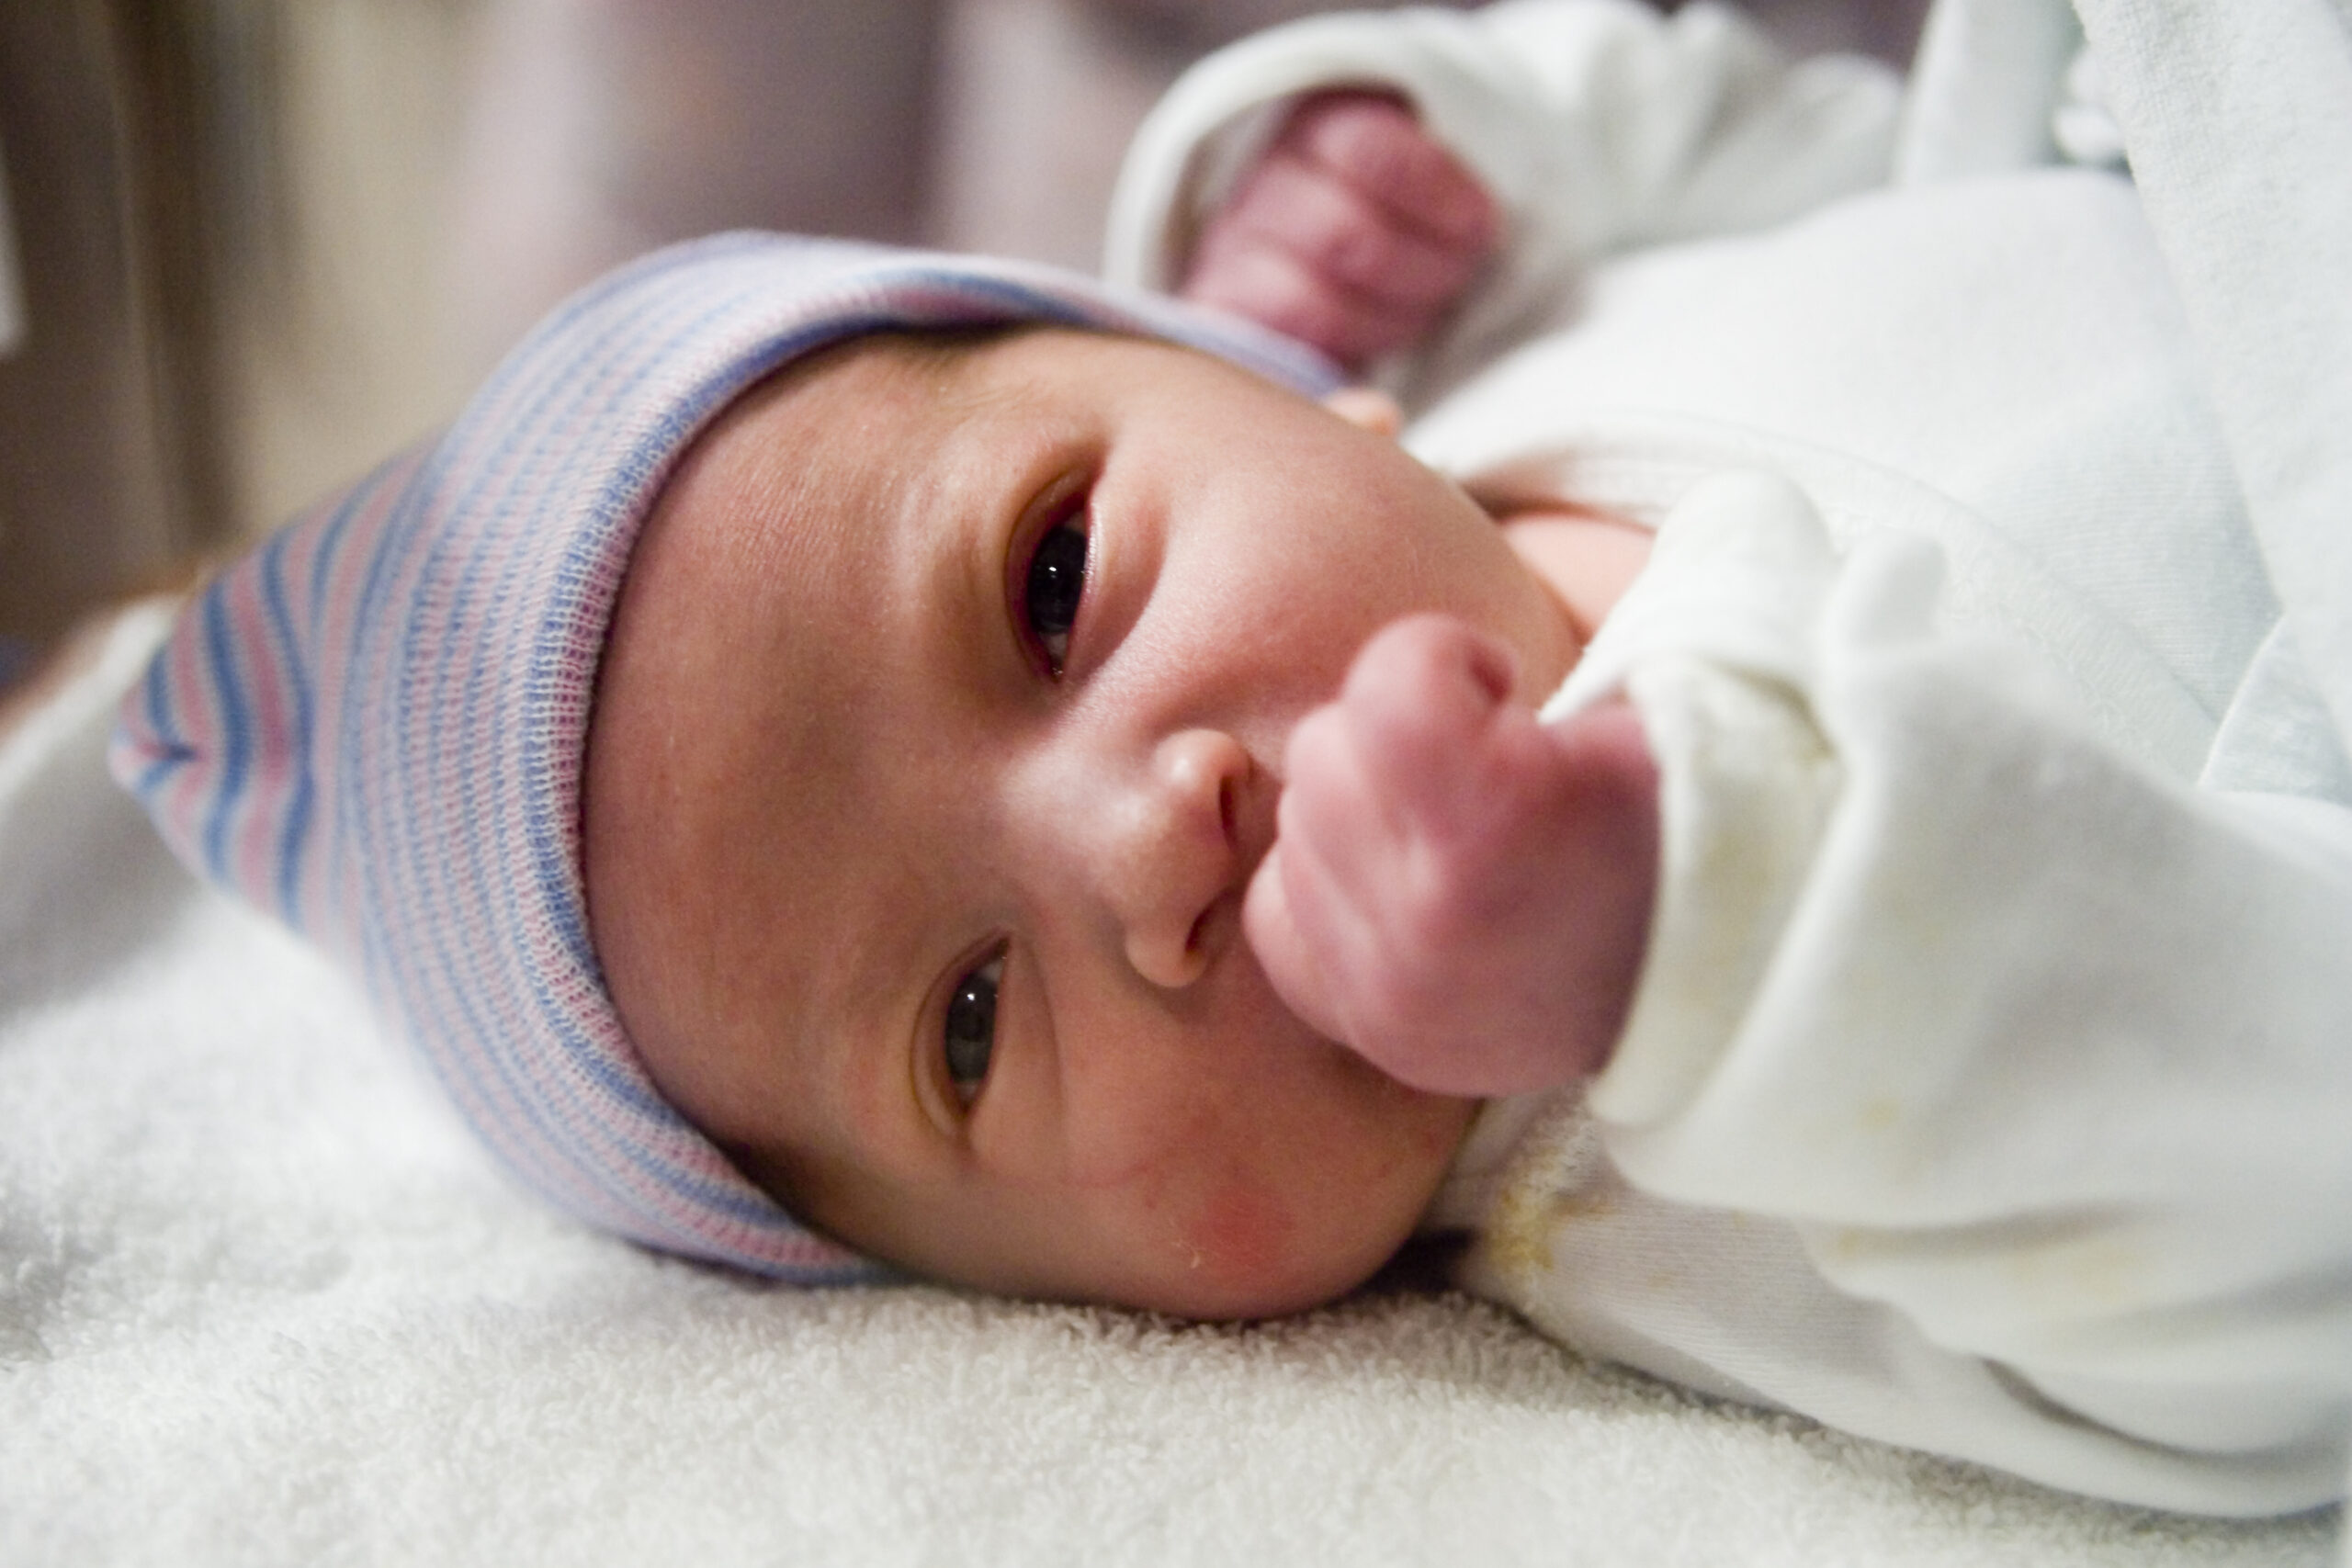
<point x="1403" y="166"/>
<point x="1319" y="743"/>
<point x="1224" y="265"/>
<point x="1334" y="126"/>
<point x="1430" y="914"/>
<point x="1371" y="138"/>
<point x="1395" y="1000"/>
<point x="1355" y="249"/>
<point x="1268" y="287"/>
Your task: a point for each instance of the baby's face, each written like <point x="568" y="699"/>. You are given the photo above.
<point x="940" y="729"/>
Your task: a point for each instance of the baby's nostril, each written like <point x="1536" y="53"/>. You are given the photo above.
<point x="1200" y="941"/>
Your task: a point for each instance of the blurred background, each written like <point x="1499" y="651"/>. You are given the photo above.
<point x="248" y="247"/>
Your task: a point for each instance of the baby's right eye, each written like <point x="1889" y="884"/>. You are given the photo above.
<point x="969" y="1033"/>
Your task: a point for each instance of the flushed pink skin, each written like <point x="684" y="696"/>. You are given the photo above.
<point x="1458" y="892"/>
<point x="1356" y="232"/>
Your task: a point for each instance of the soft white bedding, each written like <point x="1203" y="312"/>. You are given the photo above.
<point x="262" y="1301"/>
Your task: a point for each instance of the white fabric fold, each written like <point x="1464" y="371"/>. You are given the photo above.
<point x="2238" y="121"/>
<point x="1597" y="126"/>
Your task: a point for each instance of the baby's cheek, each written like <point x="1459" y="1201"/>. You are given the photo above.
<point x="1237" y="1237"/>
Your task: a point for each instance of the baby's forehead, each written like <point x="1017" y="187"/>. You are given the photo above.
<point x="948" y="362"/>
<point x="891" y="421"/>
<point x="850" y="416"/>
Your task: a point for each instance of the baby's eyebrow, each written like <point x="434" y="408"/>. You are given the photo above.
<point x="963" y="527"/>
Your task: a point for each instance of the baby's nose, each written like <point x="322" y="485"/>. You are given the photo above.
<point x="1186" y="848"/>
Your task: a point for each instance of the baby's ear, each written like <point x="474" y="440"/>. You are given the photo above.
<point x="1368" y="408"/>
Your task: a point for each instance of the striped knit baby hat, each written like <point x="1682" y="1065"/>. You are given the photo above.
<point x="374" y="725"/>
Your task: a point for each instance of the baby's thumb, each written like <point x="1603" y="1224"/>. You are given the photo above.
<point x="1283" y="952"/>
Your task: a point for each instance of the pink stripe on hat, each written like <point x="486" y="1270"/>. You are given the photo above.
<point x="373" y="725"/>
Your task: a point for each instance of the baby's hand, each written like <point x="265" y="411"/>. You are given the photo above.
<point x="1459" y="892"/>
<point x="1354" y="232"/>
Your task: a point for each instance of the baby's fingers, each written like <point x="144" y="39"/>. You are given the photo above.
<point x="1296" y="942"/>
<point x="1321" y="916"/>
<point x="1374" y="144"/>
<point x="1347" y="236"/>
<point x="1326" y="931"/>
<point x="1320" y="910"/>
<point x="1356" y="232"/>
<point x="1420" y="705"/>
<point x="1257" y="279"/>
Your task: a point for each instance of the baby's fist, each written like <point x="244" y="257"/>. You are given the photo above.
<point x="1354" y="232"/>
<point x="1456" y="891"/>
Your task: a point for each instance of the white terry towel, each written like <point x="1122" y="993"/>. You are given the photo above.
<point x="261" y="1301"/>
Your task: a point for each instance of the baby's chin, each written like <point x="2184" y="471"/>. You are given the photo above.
<point x="1260" y="1288"/>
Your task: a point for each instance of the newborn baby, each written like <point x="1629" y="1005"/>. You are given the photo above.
<point x="940" y="729"/>
<point x="843" y="755"/>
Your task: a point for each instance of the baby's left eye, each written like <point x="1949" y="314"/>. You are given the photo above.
<point x="1056" y="584"/>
